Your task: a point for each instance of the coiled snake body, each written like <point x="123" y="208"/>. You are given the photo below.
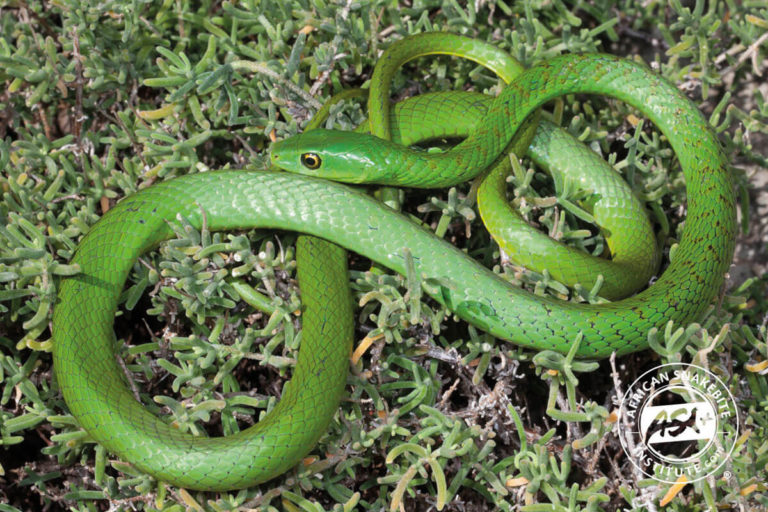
<point x="92" y="382"/>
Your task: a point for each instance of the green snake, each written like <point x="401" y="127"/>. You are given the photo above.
<point x="93" y="384"/>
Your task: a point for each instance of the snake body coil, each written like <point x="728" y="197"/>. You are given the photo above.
<point x="91" y="380"/>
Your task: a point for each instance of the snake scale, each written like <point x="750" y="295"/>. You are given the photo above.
<point x="94" y="386"/>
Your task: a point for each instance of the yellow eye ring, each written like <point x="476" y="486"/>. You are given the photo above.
<point x="310" y="160"/>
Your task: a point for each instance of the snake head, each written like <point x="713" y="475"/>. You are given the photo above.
<point x="332" y="154"/>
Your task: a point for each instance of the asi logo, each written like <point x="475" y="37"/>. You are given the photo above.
<point x="678" y="419"/>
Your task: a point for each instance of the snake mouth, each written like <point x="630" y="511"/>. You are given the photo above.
<point x="278" y="158"/>
<point x="282" y="154"/>
<point x="274" y="152"/>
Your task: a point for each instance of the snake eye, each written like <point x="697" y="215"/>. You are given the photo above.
<point x="310" y="160"/>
